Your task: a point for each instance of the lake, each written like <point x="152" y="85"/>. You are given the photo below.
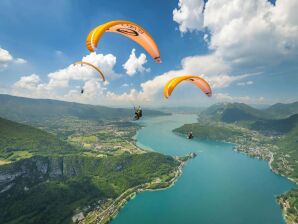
<point x="219" y="186"/>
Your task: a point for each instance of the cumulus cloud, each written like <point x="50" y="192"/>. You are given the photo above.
<point x="95" y="93"/>
<point x="59" y="85"/>
<point x="189" y="15"/>
<point x="135" y="64"/>
<point x="124" y="98"/>
<point x="29" y="82"/>
<point x="6" y="58"/>
<point x="152" y="90"/>
<point x="243" y="37"/>
<point x="20" y="61"/>
<point x="32" y="85"/>
<point x="246" y="34"/>
<point x="106" y="63"/>
<point x="62" y="77"/>
<point x="206" y="64"/>
<point x="257" y="33"/>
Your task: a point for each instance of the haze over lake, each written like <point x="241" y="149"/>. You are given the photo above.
<point x="218" y="186"/>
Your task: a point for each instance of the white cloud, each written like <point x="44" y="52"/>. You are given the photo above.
<point x="106" y="63"/>
<point x="216" y="72"/>
<point x="189" y="15"/>
<point x="62" y="77"/>
<point x="247" y="34"/>
<point x="255" y="32"/>
<point x="244" y="37"/>
<point x="245" y="83"/>
<point x="94" y="93"/>
<point x="31" y="86"/>
<point x="222" y="81"/>
<point x="224" y="97"/>
<point x="126" y="98"/>
<point x="20" y="61"/>
<point x="59" y="81"/>
<point x="29" y="82"/>
<point x="151" y="92"/>
<point x="207" y="64"/>
<point x="135" y="64"/>
<point x="6" y="58"/>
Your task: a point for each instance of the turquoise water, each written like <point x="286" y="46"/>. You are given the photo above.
<point x="219" y="186"/>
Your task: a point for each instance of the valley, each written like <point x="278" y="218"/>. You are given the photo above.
<point x="73" y="167"/>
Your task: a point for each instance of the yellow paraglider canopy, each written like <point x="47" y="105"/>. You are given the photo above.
<point x="93" y="66"/>
<point x="128" y="29"/>
<point x="197" y="80"/>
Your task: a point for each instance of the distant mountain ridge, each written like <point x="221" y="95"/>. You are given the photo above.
<point x="283" y="110"/>
<point x="233" y="112"/>
<point x="23" y="109"/>
<point x="236" y="112"/>
<point x="276" y="126"/>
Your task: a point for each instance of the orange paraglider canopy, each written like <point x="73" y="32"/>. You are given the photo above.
<point x="128" y="29"/>
<point x="197" y="80"/>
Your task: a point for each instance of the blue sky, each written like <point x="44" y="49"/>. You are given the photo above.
<point x="247" y="62"/>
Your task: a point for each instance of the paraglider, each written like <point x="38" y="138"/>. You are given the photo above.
<point x="190" y="135"/>
<point x="93" y="66"/>
<point x="128" y="29"/>
<point x="197" y="80"/>
<point x="138" y="113"/>
<point x="82" y="91"/>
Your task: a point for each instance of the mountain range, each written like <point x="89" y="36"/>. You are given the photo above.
<point x="29" y="110"/>
<point x="236" y="112"/>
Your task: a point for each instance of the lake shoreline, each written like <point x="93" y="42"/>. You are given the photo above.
<point x="111" y="212"/>
<point x="169" y="144"/>
<point x="168" y="184"/>
<point x="264" y="153"/>
<point x="284" y="204"/>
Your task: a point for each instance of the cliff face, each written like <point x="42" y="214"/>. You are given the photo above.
<point x="37" y="169"/>
<point x="53" y="188"/>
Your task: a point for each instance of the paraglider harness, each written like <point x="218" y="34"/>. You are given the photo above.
<point x="138" y="113"/>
